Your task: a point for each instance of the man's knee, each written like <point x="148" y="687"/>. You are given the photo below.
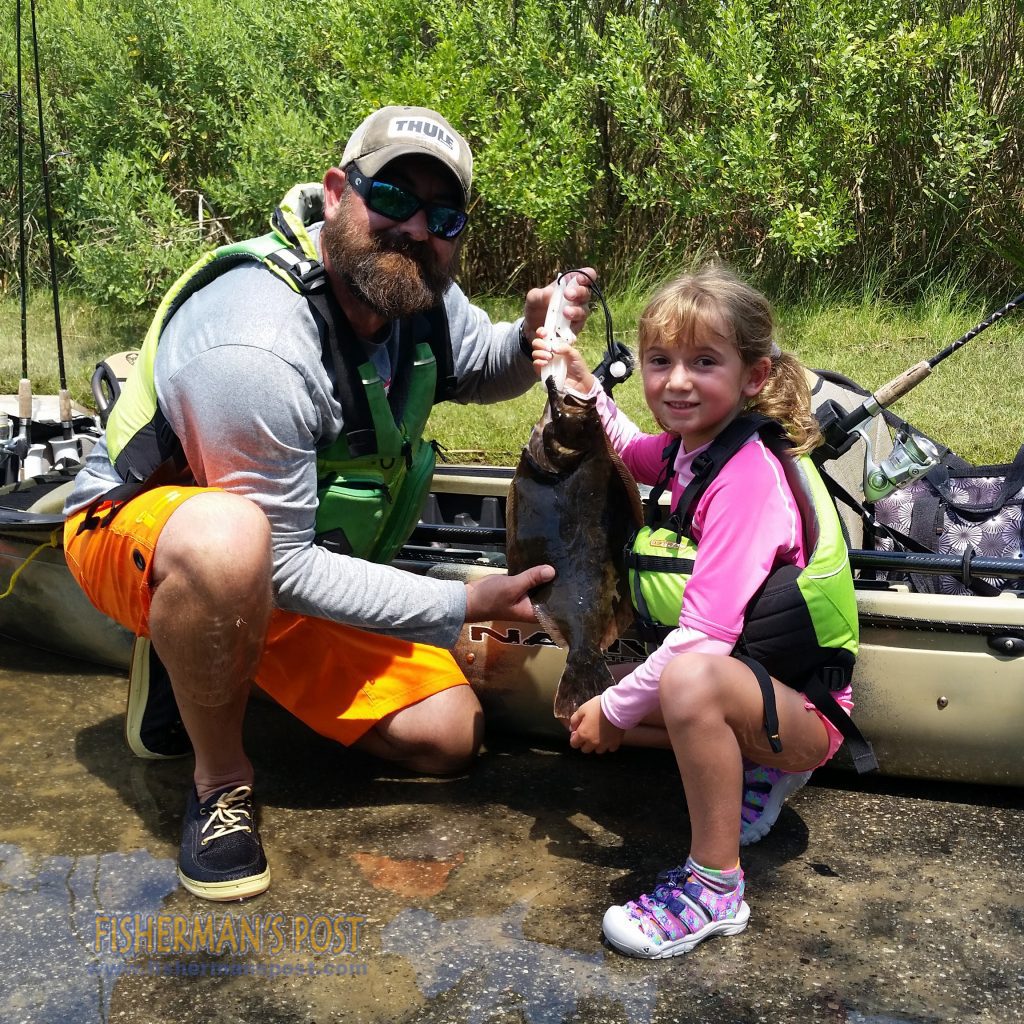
<point x="456" y="748"/>
<point x="453" y="740"/>
<point x="216" y="539"/>
<point x="439" y="735"/>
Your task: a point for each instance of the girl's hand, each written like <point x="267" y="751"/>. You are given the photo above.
<point x="591" y="732"/>
<point x="578" y="375"/>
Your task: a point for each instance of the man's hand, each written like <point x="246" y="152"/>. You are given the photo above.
<point x="498" y="596"/>
<point x="577" y="294"/>
<point x="591" y="732"/>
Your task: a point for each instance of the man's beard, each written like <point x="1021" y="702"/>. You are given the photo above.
<point x="392" y="274"/>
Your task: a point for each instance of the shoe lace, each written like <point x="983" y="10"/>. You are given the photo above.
<point x="229" y="814"/>
<point x="649" y="908"/>
<point x="668" y="880"/>
<point x="665" y="883"/>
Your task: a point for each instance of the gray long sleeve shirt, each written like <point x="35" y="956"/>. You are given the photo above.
<point x="240" y="378"/>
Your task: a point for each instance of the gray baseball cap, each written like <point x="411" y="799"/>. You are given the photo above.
<point x="392" y="132"/>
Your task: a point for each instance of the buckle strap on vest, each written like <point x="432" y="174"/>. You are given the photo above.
<point x="657" y="563"/>
<point x="708" y="464"/>
<point x="771" y="712"/>
<point x="669" y="458"/>
<point x="818" y="690"/>
<point x="309" y="275"/>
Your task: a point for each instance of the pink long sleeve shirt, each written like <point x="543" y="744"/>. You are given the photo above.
<point x="746" y="524"/>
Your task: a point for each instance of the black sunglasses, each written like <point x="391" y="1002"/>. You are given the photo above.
<point x="395" y="203"/>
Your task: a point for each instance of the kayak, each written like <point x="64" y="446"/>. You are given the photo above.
<point x="939" y="682"/>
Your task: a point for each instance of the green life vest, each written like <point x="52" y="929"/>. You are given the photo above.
<point x="801" y="627"/>
<point x="373" y="478"/>
<point x="368" y="503"/>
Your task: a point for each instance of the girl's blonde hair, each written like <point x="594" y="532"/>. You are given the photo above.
<point x="714" y="291"/>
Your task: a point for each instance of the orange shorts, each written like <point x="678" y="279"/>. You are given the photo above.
<point x="337" y="679"/>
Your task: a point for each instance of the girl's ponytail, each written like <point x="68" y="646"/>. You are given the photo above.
<point x="786" y="397"/>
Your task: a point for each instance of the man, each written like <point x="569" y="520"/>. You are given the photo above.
<point x="288" y="378"/>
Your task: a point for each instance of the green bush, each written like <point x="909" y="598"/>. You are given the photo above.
<point x="133" y="238"/>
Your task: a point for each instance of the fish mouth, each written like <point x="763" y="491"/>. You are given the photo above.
<point x="562" y="436"/>
<point x="565" y="402"/>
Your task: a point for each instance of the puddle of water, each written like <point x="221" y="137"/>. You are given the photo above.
<point x="493" y="957"/>
<point x="85" y="829"/>
<point x="49" y="906"/>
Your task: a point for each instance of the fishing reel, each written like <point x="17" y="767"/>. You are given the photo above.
<point x="911" y="457"/>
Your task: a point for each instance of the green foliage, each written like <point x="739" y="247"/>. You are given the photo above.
<point x="806" y="140"/>
<point x="133" y="239"/>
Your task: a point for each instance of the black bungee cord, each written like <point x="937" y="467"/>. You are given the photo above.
<point x="618" y="362"/>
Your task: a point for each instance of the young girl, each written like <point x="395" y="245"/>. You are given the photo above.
<point x="707" y="355"/>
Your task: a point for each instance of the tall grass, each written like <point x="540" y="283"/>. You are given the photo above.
<point x="971" y="402"/>
<point x="89" y="333"/>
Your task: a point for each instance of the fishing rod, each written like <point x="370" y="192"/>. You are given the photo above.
<point x="912" y="454"/>
<point x="65" y="398"/>
<point x="24" y="458"/>
<point x="18" y="447"/>
<point x="841" y="429"/>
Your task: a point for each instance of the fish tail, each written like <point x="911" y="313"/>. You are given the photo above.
<point x="586" y="675"/>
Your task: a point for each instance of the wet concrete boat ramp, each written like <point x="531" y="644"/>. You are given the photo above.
<point x="475" y="900"/>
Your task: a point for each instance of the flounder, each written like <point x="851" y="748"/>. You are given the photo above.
<point x="574" y="505"/>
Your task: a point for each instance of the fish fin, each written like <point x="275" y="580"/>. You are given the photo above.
<point x="621" y="621"/>
<point x="635" y="502"/>
<point x="550" y="626"/>
<point x="510" y="513"/>
<point x="586" y="675"/>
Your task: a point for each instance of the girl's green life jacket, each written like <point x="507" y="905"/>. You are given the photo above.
<point x="802" y="625"/>
<point x="661" y="558"/>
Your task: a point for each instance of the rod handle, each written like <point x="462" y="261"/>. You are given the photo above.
<point x="25" y="400"/>
<point x="888" y="393"/>
<point x="64" y="405"/>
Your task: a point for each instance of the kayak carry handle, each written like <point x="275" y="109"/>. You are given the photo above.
<point x="106" y="389"/>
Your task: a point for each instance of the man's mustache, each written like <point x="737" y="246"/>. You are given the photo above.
<point x="402" y="245"/>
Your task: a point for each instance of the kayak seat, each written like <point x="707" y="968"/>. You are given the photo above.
<point x="51" y="502"/>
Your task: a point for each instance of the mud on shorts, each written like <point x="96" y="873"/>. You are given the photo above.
<point x="337" y="679"/>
